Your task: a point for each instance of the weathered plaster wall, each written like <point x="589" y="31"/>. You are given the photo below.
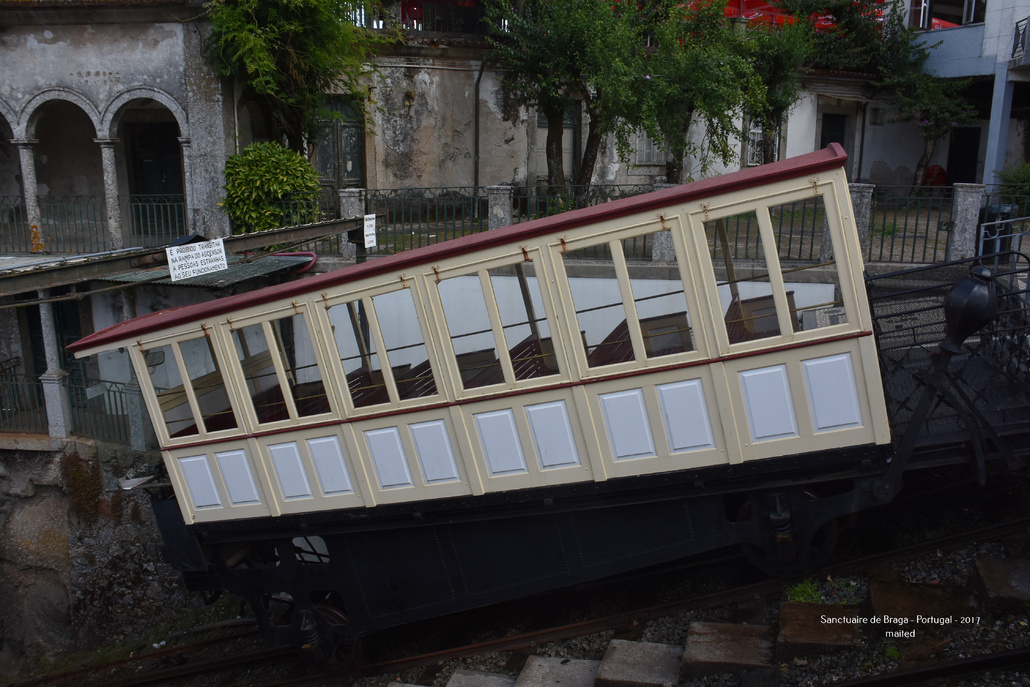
<point x="101" y="69"/>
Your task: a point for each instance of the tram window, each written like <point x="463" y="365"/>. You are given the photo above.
<point x="405" y="346"/>
<point x="807" y="261"/>
<point x="302" y="371"/>
<point x="524" y="321"/>
<point x="472" y="337"/>
<point x="599" y="308"/>
<point x="741" y="270"/>
<point x="661" y="304"/>
<point x="255" y="357"/>
<point x="208" y="384"/>
<point x="357" y="351"/>
<point x="171" y="393"/>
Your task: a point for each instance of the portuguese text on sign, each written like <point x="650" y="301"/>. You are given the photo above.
<point x="195" y="259"/>
<point x="370" y="231"/>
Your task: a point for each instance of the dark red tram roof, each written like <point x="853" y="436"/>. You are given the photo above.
<point x="831" y="157"/>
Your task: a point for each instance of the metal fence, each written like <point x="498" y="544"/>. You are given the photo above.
<point x="532" y="202"/>
<point x="72" y="224"/>
<point x="155" y="220"/>
<point x="909" y="225"/>
<point x="416" y="217"/>
<point x="22" y="409"/>
<point x="14" y="232"/>
<point x="100" y="409"/>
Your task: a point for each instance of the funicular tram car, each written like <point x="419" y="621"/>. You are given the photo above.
<point x="532" y="407"/>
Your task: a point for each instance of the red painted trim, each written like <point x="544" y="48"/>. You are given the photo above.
<point x="523" y="392"/>
<point x="832" y="157"/>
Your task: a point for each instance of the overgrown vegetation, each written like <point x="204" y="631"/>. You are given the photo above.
<point x="289" y="54"/>
<point x="268" y="186"/>
<point x="84" y="486"/>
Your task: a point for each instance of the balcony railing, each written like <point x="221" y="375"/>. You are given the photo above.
<point x="155" y="220"/>
<point x="1019" y="41"/>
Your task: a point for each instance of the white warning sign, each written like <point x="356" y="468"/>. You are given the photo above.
<point x="195" y="259"/>
<point x="370" y="231"/>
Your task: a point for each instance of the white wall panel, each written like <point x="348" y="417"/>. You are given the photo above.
<point x="239" y="480"/>
<point x="330" y="466"/>
<point x="196" y="471"/>
<point x="435" y="455"/>
<point x="501" y="445"/>
<point x="289" y="469"/>
<point x="388" y="457"/>
<point x="832" y="393"/>
<point x="685" y="413"/>
<point x="629" y="431"/>
<point x="768" y="403"/>
<point x="552" y="434"/>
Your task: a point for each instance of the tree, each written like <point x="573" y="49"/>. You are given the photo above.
<point x="558" y="52"/>
<point x="778" y="56"/>
<point x="698" y="68"/>
<point x="290" y="53"/>
<point x="933" y="104"/>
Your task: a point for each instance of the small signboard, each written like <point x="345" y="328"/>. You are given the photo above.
<point x="370" y="231"/>
<point x="195" y="259"/>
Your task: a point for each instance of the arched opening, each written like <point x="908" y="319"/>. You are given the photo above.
<point x="69" y="180"/>
<point x="151" y="176"/>
<point x="12" y="208"/>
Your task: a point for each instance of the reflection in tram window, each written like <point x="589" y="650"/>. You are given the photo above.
<point x="208" y="384"/>
<point x="171" y="393"/>
<point x="661" y="304"/>
<point x="599" y="308"/>
<point x="741" y="270"/>
<point x="357" y="351"/>
<point x="405" y="346"/>
<point x="524" y="321"/>
<point x="808" y="264"/>
<point x="472" y="337"/>
<point x="301" y="376"/>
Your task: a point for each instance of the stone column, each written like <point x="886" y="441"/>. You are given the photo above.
<point x="499" y="202"/>
<point x="55" y="387"/>
<point x="30" y="192"/>
<point x="141" y="432"/>
<point x="966" y="202"/>
<point x="862" y="208"/>
<point x="115" y="240"/>
<point x="195" y="221"/>
<point x="352" y="205"/>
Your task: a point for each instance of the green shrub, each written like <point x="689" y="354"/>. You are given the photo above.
<point x="268" y="186"/>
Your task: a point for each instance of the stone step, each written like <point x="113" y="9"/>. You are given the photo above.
<point x="1006" y="582"/>
<point x="639" y="664"/>
<point x="816" y="628"/>
<point x="727" y="648"/>
<point x="542" y="671"/>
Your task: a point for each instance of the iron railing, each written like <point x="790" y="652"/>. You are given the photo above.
<point x="100" y="410"/>
<point x="72" y="224"/>
<point x="155" y="220"/>
<point x="533" y="202"/>
<point x="416" y="217"/>
<point x="1019" y="40"/>
<point x="22" y="409"/>
<point x="909" y="225"/>
<point x="14" y="230"/>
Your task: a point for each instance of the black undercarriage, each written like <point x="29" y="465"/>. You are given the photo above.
<point x="320" y="579"/>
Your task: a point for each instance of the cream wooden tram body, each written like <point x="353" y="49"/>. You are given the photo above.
<point x="542" y="354"/>
<point x="552" y="402"/>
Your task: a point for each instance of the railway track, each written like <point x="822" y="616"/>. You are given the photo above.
<point x="152" y="669"/>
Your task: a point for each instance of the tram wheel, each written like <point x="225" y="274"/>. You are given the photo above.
<point x="807" y="556"/>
